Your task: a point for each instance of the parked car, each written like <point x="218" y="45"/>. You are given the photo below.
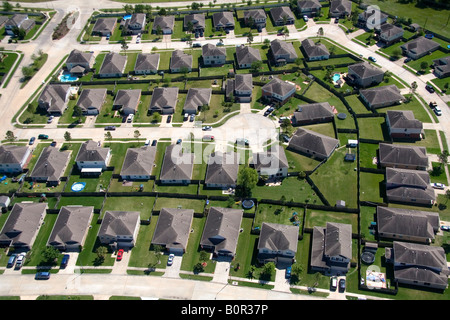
<point x="43" y="136"/>
<point x="192" y="117"/>
<point x="336" y="20"/>
<point x="20" y="260"/>
<point x="50" y="119"/>
<point x="169" y="118"/>
<point x="206" y="128"/>
<point x="305" y="17"/>
<point x="42" y="275"/>
<point x="110" y="128"/>
<point x="11" y="261"/>
<point x="407" y="60"/>
<point x="333" y="283"/>
<point x="179" y="141"/>
<point x="429" y="36"/>
<point x="65" y="261"/>
<point x="285" y="138"/>
<point x="445" y="228"/>
<point x="437" y="185"/>
<point x="119" y="254"/>
<point x="32" y="139"/>
<point x="170" y="260"/>
<point x="154" y="142"/>
<point x="218" y="44"/>
<point x="138" y="40"/>
<point x="242" y="141"/>
<point x="429" y="88"/>
<point x="432" y="104"/>
<point x="438" y="111"/>
<point x="342" y="284"/>
<point x="288" y="272"/>
<point x="196" y="45"/>
<point x="372" y="59"/>
<point x="130" y="118"/>
<point x="147" y="142"/>
<point x="208" y="138"/>
<point x="53" y="144"/>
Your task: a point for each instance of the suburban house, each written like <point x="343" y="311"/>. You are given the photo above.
<point x="313" y="144"/>
<point x="419" y="47"/>
<point x="403" y="124"/>
<point x="135" y="25"/>
<point x="418" y="264"/>
<point x="310" y="8"/>
<point x="173" y="228"/>
<point x="402" y="156"/>
<point x="163" y="24"/>
<point x="22" y="225"/>
<point x="364" y="74"/>
<point x="119" y="229"/>
<point x="196" y="20"/>
<point x="13" y="158"/>
<point x="407" y="225"/>
<point x="277" y="243"/>
<point x="71" y="228"/>
<point x="278" y="91"/>
<point x="54" y="98"/>
<point x="282" y="16"/>
<point x="389" y="33"/>
<point x="409" y="186"/>
<point x="380" y="97"/>
<point x="21" y="21"/>
<point x="442" y="67"/>
<point x="223" y="20"/>
<point x="331" y="249"/>
<point x="312" y="113"/>
<point x="372" y="18"/>
<point x="127" y="101"/>
<point x="91" y="100"/>
<point x="245" y="56"/>
<point x="147" y="63"/>
<point x="239" y="89"/>
<point x="272" y="163"/>
<point x="113" y="65"/>
<point x="314" y="51"/>
<point x="164" y="100"/>
<point x="104" y="26"/>
<point x="195" y="99"/>
<point x="222" y="170"/>
<point x="340" y="8"/>
<point x="177" y="167"/>
<point x="79" y="62"/>
<point x="255" y="18"/>
<point x="282" y="52"/>
<point x="213" y="55"/>
<point x="92" y="159"/>
<point x="138" y="163"/>
<point x="180" y="61"/>
<point x="50" y="166"/>
<point x="221" y="231"/>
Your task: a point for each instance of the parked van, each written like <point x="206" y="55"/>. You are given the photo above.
<point x="147" y="142"/>
<point x="333" y="285"/>
<point x="20" y="261"/>
<point x="208" y="138"/>
<point x="11" y="261"/>
<point x="43" y="275"/>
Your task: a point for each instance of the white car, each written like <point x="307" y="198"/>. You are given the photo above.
<point x="20" y="260"/>
<point x="170" y="260"/>
<point x="305" y="17"/>
<point x="438" y="111"/>
<point x="50" y="119"/>
<point x="438" y="185"/>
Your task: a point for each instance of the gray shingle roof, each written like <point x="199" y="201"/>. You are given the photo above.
<point x="147" y="61"/>
<point x="243" y="82"/>
<point x="309" y="4"/>
<point x="176" y="164"/>
<point x="119" y="223"/>
<point x="273" y="158"/>
<point x="255" y="14"/>
<point x="77" y="56"/>
<point x="338" y="240"/>
<point x="420" y="45"/>
<point x="127" y="100"/>
<point x="197" y="20"/>
<point x="383" y="96"/>
<point x="51" y="164"/>
<point x="246" y="55"/>
<point x="173" y="228"/>
<point x="222" y="168"/>
<point x="278" y="237"/>
<point x="165" y="22"/>
<point x="279" y="47"/>
<point x="139" y="161"/>
<point x="403" y="119"/>
<point x="55" y="95"/>
<point x="180" y="59"/>
<point x="197" y="97"/>
<point x="113" y="63"/>
<point x="388" y="30"/>
<point x="365" y="70"/>
<point x="11" y="154"/>
<point x="394" y="154"/>
<point x="340" y="6"/>
<point x="163" y="98"/>
<point x="104" y="25"/>
<point x="314" y="49"/>
<point x="92" y="98"/>
<point x="223" y="18"/>
<point x="91" y="151"/>
<point x="278" y="13"/>
<point x="313" y="111"/>
<point x="317" y="143"/>
<point x="278" y="87"/>
<point x="406" y="177"/>
<point x="211" y="50"/>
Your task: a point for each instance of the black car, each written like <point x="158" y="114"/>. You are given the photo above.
<point x="169" y="118"/>
<point x="429" y="88"/>
<point x="342" y="284"/>
<point x="154" y="142"/>
<point x="196" y="45"/>
<point x="110" y="128"/>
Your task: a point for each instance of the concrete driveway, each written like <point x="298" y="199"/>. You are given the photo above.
<point x="173" y="271"/>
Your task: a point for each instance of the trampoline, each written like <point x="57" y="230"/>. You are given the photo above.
<point x="342" y="116"/>
<point x="247" y="204"/>
<point x="78" y="186"/>
<point x="367" y="257"/>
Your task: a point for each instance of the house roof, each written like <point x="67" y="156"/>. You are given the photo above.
<point x="210" y="49"/>
<point x="222" y="168"/>
<point x="137" y="18"/>
<point x="197" y="20"/>
<point x="163" y="98"/>
<point x="165" y="22"/>
<point x="16" y="20"/>
<point x="405" y="177"/>
<point x="255" y="14"/>
<point x="383" y="95"/>
<point x="176" y="164"/>
<point x="278" y="13"/>
<point x="278" y="86"/>
<point x="340" y="6"/>
<point x="23" y="222"/>
<point x="79" y="57"/>
<point x="113" y="63"/>
<point x="71" y="225"/>
<point x="338" y="240"/>
<point x="51" y="164"/>
<point x="55" y="95"/>
<point x="139" y="161"/>
<point x="273" y="158"/>
<point x="403" y="155"/>
<point x="314" y="49"/>
<point x="222" y="228"/>
<point x="314" y="142"/>
<point x="407" y="222"/>
<point x="11" y="154"/>
<point x="197" y="97"/>
<point x="420" y="45"/>
<point x="173" y="227"/>
<point x="309" y="4"/>
<point x="180" y="59"/>
<point x="406" y="193"/>
<point x="243" y="82"/>
<point x="388" y="30"/>
<point x="442" y="64"/>
<point x="376" y="15"/>
<point x="278" y="237"/>
<point x="91" y="151"/>
<point x="147" y="61"/>
<point x="403" y="119"/>
<point x="246" y="55"/>
<point x="365" y="70"/>
<point x="92" y="98"/>
<point x="280" y="47"/>
<point x="104" y="25"/>
<point x="128" y="99"/>
<point x="119" y="223"/>
<point x="223" y="18"/>
<point x="313" y="111"/>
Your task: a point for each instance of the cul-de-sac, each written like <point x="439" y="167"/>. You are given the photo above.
<point x="225" y="150"/>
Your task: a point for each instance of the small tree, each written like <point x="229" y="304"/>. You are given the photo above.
<point x="50" y="254"/>
<point x="423" y="66"/>
<point x="108" y="136"/>
<point x="137" y="134"/>
<point x="10" y="136"/>
<point x="67" y="136"/>
<point x="247" y="180"/>
<point x="443" y="158"/>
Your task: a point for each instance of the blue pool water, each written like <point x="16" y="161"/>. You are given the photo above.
<point x="127" y="17"/>
<point x="336" y="77"/>
<point x="67" y="78"/>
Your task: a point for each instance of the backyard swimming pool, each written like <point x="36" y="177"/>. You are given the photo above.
<point x="336" y="77"/>
<point x="67" y="77"/>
